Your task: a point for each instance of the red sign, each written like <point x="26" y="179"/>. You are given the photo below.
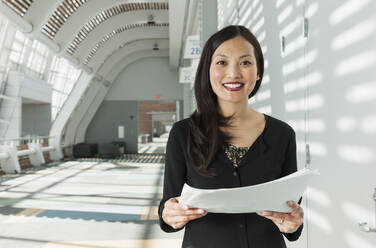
<point x="158" y="96"/>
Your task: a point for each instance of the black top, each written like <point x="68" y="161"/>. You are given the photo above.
<point x="272" y="155"/>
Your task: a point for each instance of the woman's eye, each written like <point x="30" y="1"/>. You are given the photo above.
<point x="246" y="63"/>
<point x="221" y="62"/>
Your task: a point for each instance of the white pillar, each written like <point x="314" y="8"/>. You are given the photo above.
<point x="11" y="165"/>
<point x="209" y="20"/>
<point x="36" y="159"/>
<point x="57" y="154"/>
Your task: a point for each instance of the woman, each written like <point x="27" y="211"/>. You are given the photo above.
<point x="226" y="144"/>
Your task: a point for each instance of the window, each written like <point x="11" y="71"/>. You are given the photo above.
<point x="62" y="76"/>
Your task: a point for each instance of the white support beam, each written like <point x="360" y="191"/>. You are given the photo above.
<point x="48" y="148"/>
<point x="4" y="122"/>
<point x="209" y="20"/>
<point x="13" y="99"/>
<point x="73" y="60"/>
<point x="55" y="47"/>
<point x="86" y="68"/>
<point x="26" y="152"/>
<point x="177" y="17"/>
<point x="38" y="14"/>
<point x="23" y="25"/>
<point x="65" y="113"/>
<point x="4" y="156"/>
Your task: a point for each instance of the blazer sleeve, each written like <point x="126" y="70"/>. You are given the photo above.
<point x="175" y="172"/>
<point x="290" y="166"/>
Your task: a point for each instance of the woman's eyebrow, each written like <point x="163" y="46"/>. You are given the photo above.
<point x="245" y="55"/>
<point x="221" y="55"/>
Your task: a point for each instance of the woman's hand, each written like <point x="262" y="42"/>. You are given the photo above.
<point x="177" y="215"/>
<point x="286" y="222"/>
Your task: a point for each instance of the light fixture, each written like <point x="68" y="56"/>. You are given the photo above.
<point x="155" y="48"/>
<point x="151" y="20"/>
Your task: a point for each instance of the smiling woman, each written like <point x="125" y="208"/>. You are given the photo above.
<point x="227" y="144"/>
<point x="233" y="71"/>
<point x="229" y="73"/>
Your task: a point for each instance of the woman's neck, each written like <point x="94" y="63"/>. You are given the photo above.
<point x="240" y="111"/>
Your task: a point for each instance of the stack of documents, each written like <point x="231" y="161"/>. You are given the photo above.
<point x="270" y="196"/>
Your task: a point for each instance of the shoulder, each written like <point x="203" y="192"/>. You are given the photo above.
<point x="277" y="126"/>
<point x="179" y="130"/>
<point x="278" y="134"/>
<point x="181" y="126"/>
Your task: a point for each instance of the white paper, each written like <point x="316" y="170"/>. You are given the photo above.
<point x="270" y="196"/>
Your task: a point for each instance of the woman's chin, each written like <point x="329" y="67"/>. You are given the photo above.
<point x="234" y="100"/>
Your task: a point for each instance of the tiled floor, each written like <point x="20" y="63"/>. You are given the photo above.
<point x="95" y="204"/>
<point x="157" y="146"/>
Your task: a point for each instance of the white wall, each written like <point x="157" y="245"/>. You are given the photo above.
<point x="324" y="86"/>
<point x="35" y="89"/>
<point x="145" y="78"/>
<point x="36" y="119"/>
<point x="20" y="86"/>
<point x="120" y="113"/>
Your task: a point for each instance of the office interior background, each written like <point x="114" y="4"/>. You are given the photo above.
<point x="90" y="88"/>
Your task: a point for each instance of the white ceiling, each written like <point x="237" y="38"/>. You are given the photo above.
<point x="112" y="33"/>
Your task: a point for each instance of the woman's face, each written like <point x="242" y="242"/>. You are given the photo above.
<point x="233" y="70"/>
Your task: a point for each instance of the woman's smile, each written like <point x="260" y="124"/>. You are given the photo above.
<point x="233" y="86"/>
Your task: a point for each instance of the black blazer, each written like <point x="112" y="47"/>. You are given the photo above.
<point x="272" y="155"/>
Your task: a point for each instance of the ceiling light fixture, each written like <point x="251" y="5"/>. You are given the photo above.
<point x="155" y="48"/>
<point x="151" y="19"/>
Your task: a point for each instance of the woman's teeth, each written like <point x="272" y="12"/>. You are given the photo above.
<point x="232" y="85"/>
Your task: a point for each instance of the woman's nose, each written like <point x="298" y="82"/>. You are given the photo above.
<point x="233" y="71"/>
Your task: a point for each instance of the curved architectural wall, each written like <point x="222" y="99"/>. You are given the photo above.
<point x="143" y="80"/>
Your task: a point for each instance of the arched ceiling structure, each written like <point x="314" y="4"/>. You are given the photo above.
<point x="102" y="37"/>
<point x="88" y="32"/>
<point x="76" y="128"/>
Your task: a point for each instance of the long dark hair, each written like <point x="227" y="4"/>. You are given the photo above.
<point x="205" y="137"/>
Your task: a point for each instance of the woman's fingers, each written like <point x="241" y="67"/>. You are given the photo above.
<point x="282" y="218"/>
<point x="276" y="217"/>
<point x="272" y="215"/>
<point x="175" y="208"/>
<point x="297" y="211"/>
<point x="174" y="204"/>
<point x="286" y="222"/>
<point x="195" y="211"/>
<point x="180" y="221"/>
<point x="283" y="222"/>
<point x="185" y="218"/>
<point x="177" y="215"/>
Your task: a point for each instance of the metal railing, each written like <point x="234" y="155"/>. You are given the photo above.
<point x="24" y="141"/>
